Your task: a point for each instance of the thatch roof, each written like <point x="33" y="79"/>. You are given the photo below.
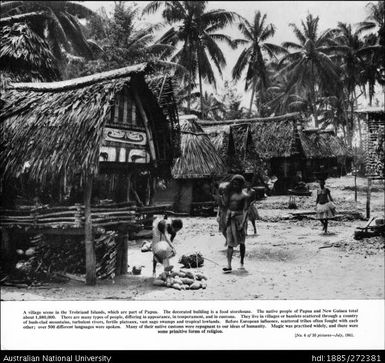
<point x="56" y="127"/>
<point x="199" y="158"/>
<point x="275" y="139"/>
<point x="274" y="136"/>
<point x="24" y="56"/>
<point x="163" y="88"/>
<point x="220" y="138"/>
<point x="323" y="145"/>
<point x="245" y="147"/>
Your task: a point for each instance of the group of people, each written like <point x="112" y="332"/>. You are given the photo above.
<point x="235" y="208"/>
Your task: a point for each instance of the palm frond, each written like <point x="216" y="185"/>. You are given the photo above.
<point x="241" y="63"/>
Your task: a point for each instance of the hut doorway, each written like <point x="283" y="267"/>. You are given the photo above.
<point x="184" y="196"/>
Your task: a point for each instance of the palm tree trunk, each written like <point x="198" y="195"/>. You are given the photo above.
<point x="252" y="96"/>
<point x="189" y="93"/>
<point x="371" y="93"/>
<point x="313" y="99"/>
<point x="189" y="84"/>
<point x="200" y="89"/>
<point x="359" y="130"/>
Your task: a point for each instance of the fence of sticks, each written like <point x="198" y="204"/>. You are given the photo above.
<point x="63" y="217"/>
<point x="55" y="236"/>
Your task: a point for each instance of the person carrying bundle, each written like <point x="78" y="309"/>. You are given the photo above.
<point x="164" y="231"/>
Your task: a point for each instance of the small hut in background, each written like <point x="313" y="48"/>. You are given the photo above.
<point x="271" y="142"/>
<point x="277" y="142"/>
<point x="324" y="153"/>
<point x="196" y="168"/>
<point x="65" y="135"/>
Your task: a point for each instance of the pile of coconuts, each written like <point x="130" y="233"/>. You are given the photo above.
<point x="181" y="280"/>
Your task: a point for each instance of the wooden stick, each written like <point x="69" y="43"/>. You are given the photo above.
<point x="368" y="194"/>
<point x="89" y="243"/>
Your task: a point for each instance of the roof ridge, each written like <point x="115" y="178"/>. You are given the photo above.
<point x="250" y="120"/>
<point x="81" y="81"/>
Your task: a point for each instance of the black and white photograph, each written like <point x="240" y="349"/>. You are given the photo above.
<point x="192" y="150"/>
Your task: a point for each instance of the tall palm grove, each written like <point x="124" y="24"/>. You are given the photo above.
<point x="324" y="73"/>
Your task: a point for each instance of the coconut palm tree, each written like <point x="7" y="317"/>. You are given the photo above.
<point x="124" y="41"/>
<point x="370" y="72"/>
<point x="376" y="19"/>
<point x="252" y="57"/>
<point x="348" y="49"/>
<point x="55" y="21"/>
<point x="309" y="65"/>
<point x="196" y="29"/>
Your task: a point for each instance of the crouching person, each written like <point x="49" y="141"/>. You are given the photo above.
<point x="163" y="234"/>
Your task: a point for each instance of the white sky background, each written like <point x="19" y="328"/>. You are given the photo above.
<point x="280" y="13"/>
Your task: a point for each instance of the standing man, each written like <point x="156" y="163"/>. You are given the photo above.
<point x="163" y="234"/>
<point x="236" y="222"/>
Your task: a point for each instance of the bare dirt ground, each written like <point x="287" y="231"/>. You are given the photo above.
<point x="287" y="259"/>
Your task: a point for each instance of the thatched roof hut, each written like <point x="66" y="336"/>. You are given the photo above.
<point x="198" y="159"/>
<point x="318" y="144"/>
<point x="195" y="169"/>
<point x="62" y="126"/>
<point x="105" y="123"/>
<point x="274" y="136"/>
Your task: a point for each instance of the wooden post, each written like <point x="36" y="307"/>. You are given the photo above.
<point x="368" y="192"/>
<point x="355" y="186"/>
<point x="125" y="256"/>
<point x="129" y="184"/>
<point x="89" y="241"/>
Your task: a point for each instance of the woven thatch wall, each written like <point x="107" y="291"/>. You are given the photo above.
<point x="199" y="158"/>
<point x="376" y="145"/>
<point x="322" y="145"/>
<point x="56" y="127"/>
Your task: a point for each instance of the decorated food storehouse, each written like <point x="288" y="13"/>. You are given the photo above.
<point x="84" y="147"/>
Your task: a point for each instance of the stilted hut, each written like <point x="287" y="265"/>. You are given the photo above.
<point x="108" y="123"/>
<point x="196" y="168"/>
<point x="324" y="153"/>
<point x="276" y="142"/>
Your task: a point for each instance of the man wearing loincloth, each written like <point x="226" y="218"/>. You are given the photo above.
<point x="325" y="207"/>
<point x="163" y="234"/>
<point x="236" y="219"/>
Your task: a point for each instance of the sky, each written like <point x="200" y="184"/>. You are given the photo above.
<point x="280" y="13"/>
